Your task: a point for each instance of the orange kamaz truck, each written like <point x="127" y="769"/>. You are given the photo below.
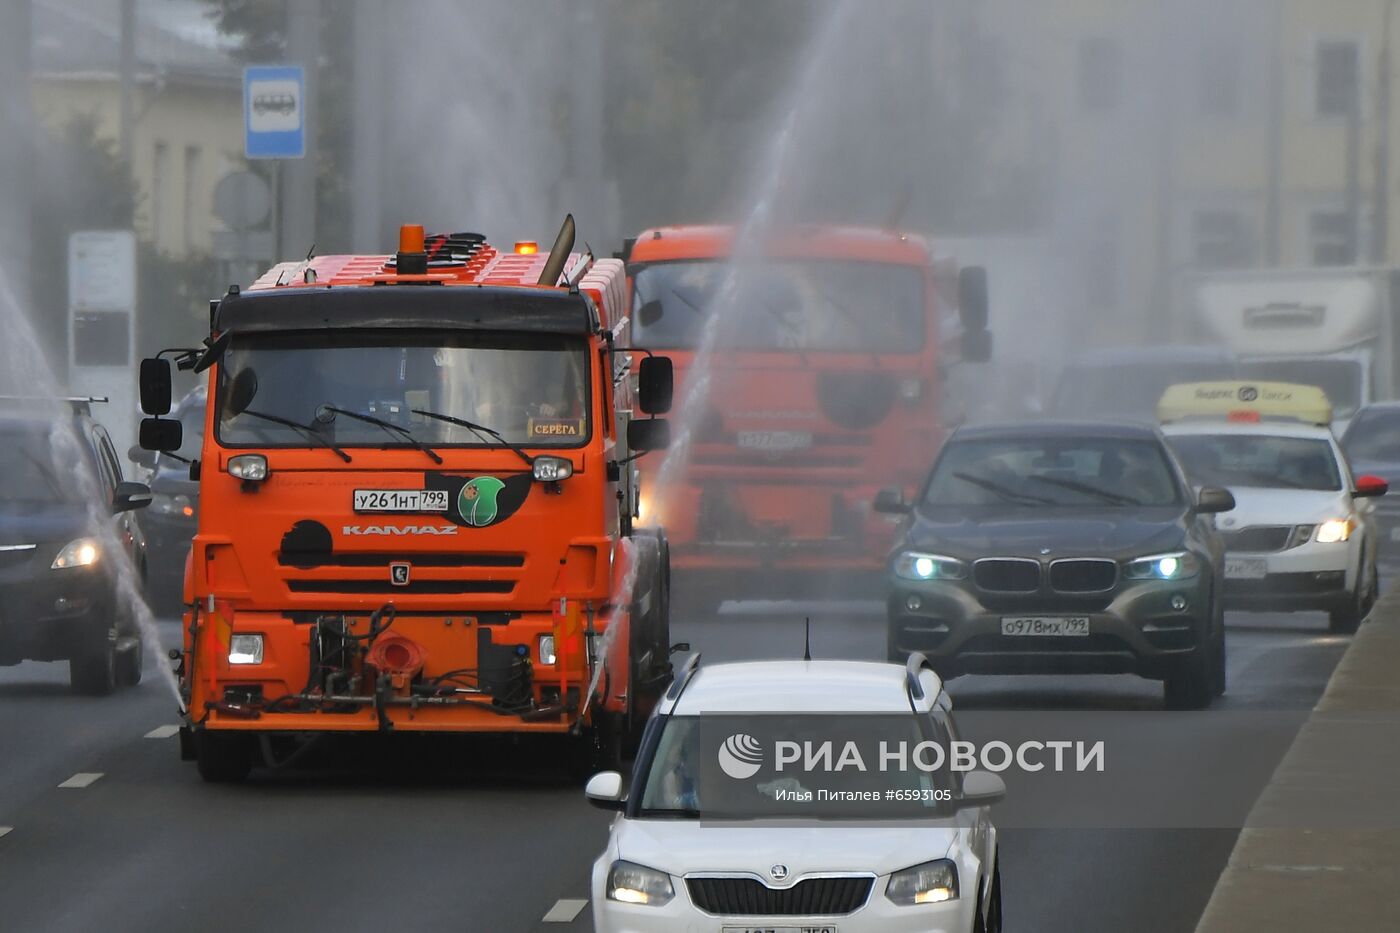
<point x="414" y="493"/>
<point x="824" y="387"/>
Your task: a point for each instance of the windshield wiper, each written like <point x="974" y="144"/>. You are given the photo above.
<point x="1009" y="495"/>
<point x="1073" y="486"/>
<point x="387" y="426"/>
<point x="306" y="430"/>
<point x="480" y="430"/>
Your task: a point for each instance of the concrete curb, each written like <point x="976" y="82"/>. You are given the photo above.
<point x="1320" y="850"/>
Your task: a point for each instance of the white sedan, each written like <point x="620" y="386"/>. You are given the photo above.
<point x="727" y="827"/>
<point x="1301" y="535"/>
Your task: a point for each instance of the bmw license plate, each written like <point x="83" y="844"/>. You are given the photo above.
<point x="1246" y="568"/>
<point x="787" y="929"/>
<point x="775" y="440"/>
<point x="1054" y="626"/>
<point x="400" y="500"/>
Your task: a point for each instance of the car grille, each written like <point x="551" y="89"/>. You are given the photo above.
<point x="1258" y="538"/>
<point x="1000" y="575"/>
<point x="743" y="896"/>
<point x="1083" y="576"/>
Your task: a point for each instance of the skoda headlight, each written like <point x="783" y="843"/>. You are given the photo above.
<point x="165" y="504"/>
<point x="1178" y="565"/>
<point x="83" y="552"/>
<point x="552" y="469"/>
<point x="630" y="883"/>
<point x="245" y="649"/>
<point x="1335" y="530"/>
<point x="916" y="565"/>
<point x="929" y="883"/>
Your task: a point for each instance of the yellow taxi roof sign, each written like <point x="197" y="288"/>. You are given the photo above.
<point x="1245" y="402"/>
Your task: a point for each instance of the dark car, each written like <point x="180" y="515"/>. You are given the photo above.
<point x="58" y="583"/>
<point x="169" y="524"/>
<point x="1061" y="548"/>
<point x="1372" y="446"/>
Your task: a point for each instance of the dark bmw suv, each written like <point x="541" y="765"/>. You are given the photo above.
<point x="1059" y="547"/>
<point x="58" y="577"/>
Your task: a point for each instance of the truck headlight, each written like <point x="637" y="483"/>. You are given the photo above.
<point x="251" y="468"/>
<point x="1179" y="565"/>
<point x="547" y="655"/>
<point x="929" y="883"/>
<point x="245" y="649"/>
<point x="1335" y="530"/>
<point x="916" y="565"/>
<point x="552" y="469"/>
<point x="630" y="883"/>
<point x="82" y="552"/>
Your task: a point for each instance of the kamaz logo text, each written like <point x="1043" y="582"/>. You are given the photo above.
<point x="392" y="530"/>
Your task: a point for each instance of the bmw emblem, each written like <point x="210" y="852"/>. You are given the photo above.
<point x="1044" y="552"/>
<point x="778" y="872"/>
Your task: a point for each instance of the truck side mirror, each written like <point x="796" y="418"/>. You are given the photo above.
<point x="890" y="501"/>
<point x="161" y="434"/>
<point x="155" y="386"/>
<point x="649" y="434"/>
<point x="972" y="298"/>
<point x="976" y="346"/>
<point x="655" y="385"/>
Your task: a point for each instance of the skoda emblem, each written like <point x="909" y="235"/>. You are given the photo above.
<point x="399" y="572"/>
<point x="778" y="872"/>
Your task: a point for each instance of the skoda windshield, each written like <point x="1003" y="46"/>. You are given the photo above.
<point x="819" y="305"/>
<point x="392" y="388"/>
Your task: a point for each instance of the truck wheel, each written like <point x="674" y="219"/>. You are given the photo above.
<point x="131" y="658"/>
<point x="94" y="671"/>
<point x="1192" y="684"/>
<point x="223" y="757"/>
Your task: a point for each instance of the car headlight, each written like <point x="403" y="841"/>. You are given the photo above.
<point x="547" y="655"/>
<point x="1179" y="565"/>
<point x="916" y="565"/>
<point x="552" y="469"/>
<point x="929" y="883"/>
<point x="1335" y="530"/>
<point x="631" y="883"/>
<point x="251" y="468"/>
<point x="245" y="649"/>
<point x="82" y="552"/>
<point x="164" y="504"/>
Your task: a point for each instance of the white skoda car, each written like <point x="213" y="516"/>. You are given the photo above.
<point x="745" y="813"/>
<point x="1301" y="535"/>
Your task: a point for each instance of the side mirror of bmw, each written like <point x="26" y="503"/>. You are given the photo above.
<point x="130" y="496"/>
<point x="1368" y="487"/>
<point x="1213" y="499"/>
<point x="605" y="791"/>
<point x="981" y="789"/>
<point x="890" y="501"/>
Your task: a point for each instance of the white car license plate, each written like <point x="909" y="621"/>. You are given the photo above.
<point x="1246" y="568"/>
<point x="400" y="500"/>
<point x="786" y="929"/>
<point x="1045" y="625"/>
<point x="775" y="440"/>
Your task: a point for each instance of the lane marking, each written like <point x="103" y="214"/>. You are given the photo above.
<point x="82" y="779"/>
<point x="163" y="732"/>
<point x="565" y="910"/>
<point x="5" y="830"/>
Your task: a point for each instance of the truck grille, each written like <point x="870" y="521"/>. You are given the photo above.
<point x="1088" y="575"/>
<point x="416" y="586"/>
<point x="1258" y="538"/>
<point x="744" y="896"/>
<point x="1007" y="575"/>
<point x="381" y="559"/>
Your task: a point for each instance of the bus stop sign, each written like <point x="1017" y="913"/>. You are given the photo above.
<point x="274" y="112"/>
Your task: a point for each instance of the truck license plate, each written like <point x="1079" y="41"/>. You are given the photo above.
<point x="775" y="440"/>
<point x="400" y="500"/>
<point x="787" y="929"/>
<point x="1246" y="568"/>
<point x="1042" y="625"/>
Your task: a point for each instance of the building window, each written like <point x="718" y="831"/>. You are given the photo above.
<point x="1221" y="239"/>
<point x="160" y="178"/>
<point x="193" y="187"/>
<point x="1338" y="77"/>
<point x="1331" y="239"/>
<point x="1100" y="74"/>
<point x="1218" y="79"/>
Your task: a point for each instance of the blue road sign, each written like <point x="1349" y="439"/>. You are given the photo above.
<point x="274" y="112"/>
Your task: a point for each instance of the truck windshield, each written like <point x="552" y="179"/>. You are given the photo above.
<point x="830" y="305"/>
<point x="1340" y="379"/>
<point x="1257" y="460"/>
<point x="532" y="389"/>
